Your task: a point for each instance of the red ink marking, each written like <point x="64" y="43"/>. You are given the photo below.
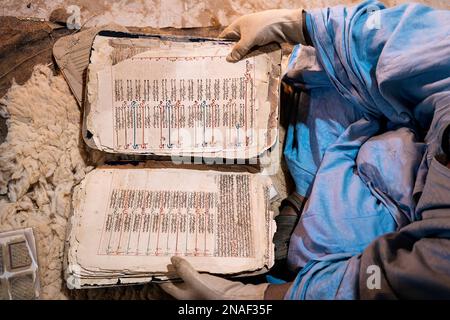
<point x="124" y="215"/>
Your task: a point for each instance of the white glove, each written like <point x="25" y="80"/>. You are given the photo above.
<point x="209" y="287"/>
<point x="261" y="28"/>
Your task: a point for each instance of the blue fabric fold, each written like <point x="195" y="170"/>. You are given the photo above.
<point x="377" y="104"/>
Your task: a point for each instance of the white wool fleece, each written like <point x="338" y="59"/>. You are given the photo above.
<point x="40" y="162"/>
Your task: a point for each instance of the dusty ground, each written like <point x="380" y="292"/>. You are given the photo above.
<point x="170" y="13"/>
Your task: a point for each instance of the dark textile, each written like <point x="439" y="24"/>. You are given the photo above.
<point x="415" y="261"/>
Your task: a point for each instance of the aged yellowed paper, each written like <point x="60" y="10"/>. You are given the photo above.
<point x="178" y="97"/>
<point x="129" y="222"/>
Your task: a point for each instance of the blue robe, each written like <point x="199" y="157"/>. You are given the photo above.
<point x="379" y="99"/>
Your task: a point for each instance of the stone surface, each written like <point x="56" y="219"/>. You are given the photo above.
<point x="170" y="13"/>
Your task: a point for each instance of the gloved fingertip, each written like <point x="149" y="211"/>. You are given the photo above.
<point x="230" y="32"/>
<point x="232" y="57"/>
<point x="171" y="289"/>
<point x="164" y="285"/>
<point x="176" y="260"/>
<point x="224" y="33"/>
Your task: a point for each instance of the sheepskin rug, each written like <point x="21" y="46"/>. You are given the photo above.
<point x="41" y="161"/>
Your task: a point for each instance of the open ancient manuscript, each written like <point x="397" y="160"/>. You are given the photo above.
<point x="152" y="95"/>
<point x="127" y="222"/>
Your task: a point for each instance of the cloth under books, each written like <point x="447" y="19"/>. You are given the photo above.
<point x="72" y="55"/>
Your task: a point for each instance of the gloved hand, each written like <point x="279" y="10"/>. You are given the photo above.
<point x="205" y="286"/>
<point x="261" y="28"/>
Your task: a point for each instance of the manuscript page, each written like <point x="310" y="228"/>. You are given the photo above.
<point x="220" y="221"/>
<point x="153" y="96"/>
